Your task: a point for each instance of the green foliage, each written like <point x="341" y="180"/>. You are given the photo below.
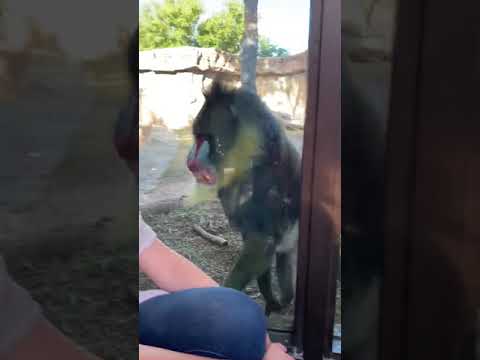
<point x="267" y="49"/>
<point x="224" y="30"/>
<point x="170" y="24"/>
<point x="175" y="23"/>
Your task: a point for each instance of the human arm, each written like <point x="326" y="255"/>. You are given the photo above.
<point x="45" y="342"/>
<point x="277" y="351"/>
<point x="153" y="353"/>
<point x="24" y="331"/>
<point x="170" y="271"/>
<point x="166" y="268"/>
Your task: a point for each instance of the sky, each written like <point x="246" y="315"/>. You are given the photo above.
<point x="285" y="22"/>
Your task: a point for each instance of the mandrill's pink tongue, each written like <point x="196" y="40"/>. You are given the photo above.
<point x="204" y="176"/>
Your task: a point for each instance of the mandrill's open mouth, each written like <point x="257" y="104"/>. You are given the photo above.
<point x="203" y="174"/>
<point x="205" y="177"/>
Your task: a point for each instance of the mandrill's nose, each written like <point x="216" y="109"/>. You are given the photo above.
<point x="192" y="163"/>
<point x="197" y="157"/>
<point x="200" y="166"/>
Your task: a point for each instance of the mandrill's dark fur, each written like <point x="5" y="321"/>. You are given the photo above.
<point x="261" y="193"/>
<point x="126" y="127"/>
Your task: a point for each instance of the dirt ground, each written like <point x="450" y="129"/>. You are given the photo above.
<point x="90" y="295"/>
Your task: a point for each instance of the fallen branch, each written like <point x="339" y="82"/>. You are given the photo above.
<point x="210" y="237"/>
<point x="294" y="127"/>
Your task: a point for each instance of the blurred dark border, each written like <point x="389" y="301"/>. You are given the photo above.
<point x="68" y="203"/>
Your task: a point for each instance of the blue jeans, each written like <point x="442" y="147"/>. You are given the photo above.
<point x="219" y="323"/>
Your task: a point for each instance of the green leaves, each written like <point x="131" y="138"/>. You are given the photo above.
<point x="223" y="31"/>
<point x="267" y="49"/>
<point x="171" y="24"/>
<point x="176" y="23"/>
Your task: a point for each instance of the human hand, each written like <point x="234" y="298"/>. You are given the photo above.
<point x="277" y="351"/>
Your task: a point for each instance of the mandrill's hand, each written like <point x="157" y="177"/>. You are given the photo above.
<point x="277" y="351"/>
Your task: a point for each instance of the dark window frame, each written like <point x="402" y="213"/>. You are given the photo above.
<point x="321" y="179"/>
<point x="400" y="173"/>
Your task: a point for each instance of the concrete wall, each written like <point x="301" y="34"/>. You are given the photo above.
<point x="171" y="82"/>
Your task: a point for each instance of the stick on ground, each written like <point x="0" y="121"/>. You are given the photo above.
<point x="210" y="237"/>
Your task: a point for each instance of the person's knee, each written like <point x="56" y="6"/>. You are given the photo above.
<point x="225" y="317"/>
<point x="244" y="321"/>
<point x="245" y="310"/>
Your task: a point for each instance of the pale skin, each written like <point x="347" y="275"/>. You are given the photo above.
<point x="173" y="273"/>
<point x="46" y="342"/>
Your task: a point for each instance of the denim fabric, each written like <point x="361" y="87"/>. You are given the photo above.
<point x="218" y="322"/>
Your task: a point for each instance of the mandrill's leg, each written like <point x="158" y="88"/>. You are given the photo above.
<point x="265" y="286"/>
<point x="255" y="259"/>
<point x="286" y="271"/>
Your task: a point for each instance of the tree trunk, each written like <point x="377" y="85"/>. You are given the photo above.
<point x="248" y="55"/>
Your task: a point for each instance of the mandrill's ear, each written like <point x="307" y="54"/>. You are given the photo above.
<point x="205" y="87"/>
<point x="214" y="90"/>
<point x="217" y="89"/>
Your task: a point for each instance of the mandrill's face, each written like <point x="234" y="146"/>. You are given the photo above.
<point x="214" y="131"/>
<point x="224" y="147"/>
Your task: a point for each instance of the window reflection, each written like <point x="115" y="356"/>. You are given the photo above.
<point x="367" y="38"/>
